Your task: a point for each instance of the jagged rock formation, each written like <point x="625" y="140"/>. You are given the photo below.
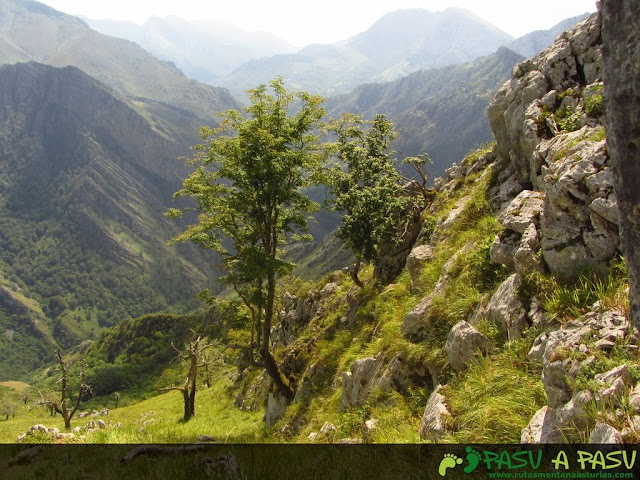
<point x="559" y="212"/>
<point x="547" y="121"/>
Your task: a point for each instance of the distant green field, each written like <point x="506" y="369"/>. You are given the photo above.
<point x="155" y="420"/>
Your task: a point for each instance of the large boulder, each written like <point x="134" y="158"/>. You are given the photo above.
<point x="416" y="261"/>
<point x="357" y="383"/>
<point x="464" y="344"/>
<point x="434" y="420"/>
<point x="402" y="373"/>
<point x="506" y="310"/>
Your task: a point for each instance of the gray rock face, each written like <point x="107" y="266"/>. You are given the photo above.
<point x="559" y="425"/>
<point x="562" y="66"/>
<point x="550" y="133"/>
<point x="621" y="58"/>
<point x="523" y="211"/>
<point x="517" y="246"/>
<point x="506" y="310"/>
<point x="564" y="353"/>
<point x="465" y="343"/>
<point x="580" y="220"/>
<point x="357" y="382"/>
<point x="604" y="433"/>
<point x="433" y="424"/>
<point x="400" y="374"/>
<point x="416" y="260"/>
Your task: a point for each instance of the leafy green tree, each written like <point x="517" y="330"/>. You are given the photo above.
<point x="367" y="188"/>
<point x="248" y="188"/>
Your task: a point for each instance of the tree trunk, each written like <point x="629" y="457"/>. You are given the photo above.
<point x="270" y="364"/>
<point x="354" y="272"/>
<point x="187" y="405"/>
<point x="192" y="393"/>
<point x="621" y="61"/>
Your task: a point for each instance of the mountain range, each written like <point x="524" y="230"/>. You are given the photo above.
<point x="32" y="31"/>
<point x="429" y="105"/>
<point x="399" y="43"/>
<point x="203" y="50"/>
<point x="85" y="180"/>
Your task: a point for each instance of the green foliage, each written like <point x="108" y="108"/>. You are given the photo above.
<point x="542" y="128"/>
<point x="567" y="119"/>
<point x="594" y="105"/>
<point x="496" y="398"/>
<point x="367" y="192"/>
<point x="565" y="299"/>
<point x="248" y="187"/>
<point x="248" y="183"/>
<point x="486" y="274"/>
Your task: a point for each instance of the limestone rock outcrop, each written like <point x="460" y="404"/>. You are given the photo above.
<point x="547" y="121"/>
<point x="464" y="344"/>
<point x="357" y="383"/>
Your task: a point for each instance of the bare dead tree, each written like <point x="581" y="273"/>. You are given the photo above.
<point x="421" y="178"/>
<point x="62" y="406"/>
<point x="194" y="356"/>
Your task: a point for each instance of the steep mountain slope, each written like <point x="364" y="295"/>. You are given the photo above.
<point x="399" y="43"/>
<point x="32" y="31"/>
<point x="511" y="322"/>
<point x="84" y="183"/>
<point x="438" y="111"/>
<point x="203" y="50"/>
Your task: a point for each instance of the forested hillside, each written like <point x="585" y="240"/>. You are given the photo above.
<point x="85" y="181"/>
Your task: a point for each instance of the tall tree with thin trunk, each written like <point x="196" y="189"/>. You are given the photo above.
<point x="621" y="73"/>
<point x="248" y="185"/>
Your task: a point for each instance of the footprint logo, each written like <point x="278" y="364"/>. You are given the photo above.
<point x="473" y="457"/>
<point x="449" y="461"/>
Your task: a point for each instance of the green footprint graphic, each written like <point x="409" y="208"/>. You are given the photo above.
<point x="449" y="461"/>
<point x="473" y="457"/>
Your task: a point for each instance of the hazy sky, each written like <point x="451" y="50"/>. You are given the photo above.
<point x="324" y="21"/>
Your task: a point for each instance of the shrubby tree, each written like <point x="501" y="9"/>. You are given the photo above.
<point x="248" y="186"/>
<point x="66" y="406"/>
<point x="367" y="188"/>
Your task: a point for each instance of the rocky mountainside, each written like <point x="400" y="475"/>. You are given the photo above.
<point x="203" y="50"/>
<point x="511" y="315"/>
<point x="399" y="43"/>
<point x="84" y="183"/>
<point x="502" y="317"/>
<point x="32" y="31"/>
